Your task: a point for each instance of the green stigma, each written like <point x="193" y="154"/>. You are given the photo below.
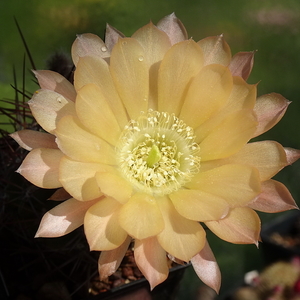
<point x="154" y="156"/>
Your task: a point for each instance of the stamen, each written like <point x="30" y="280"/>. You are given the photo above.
<point x="157" y="153"/>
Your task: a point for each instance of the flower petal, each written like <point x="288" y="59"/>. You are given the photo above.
<point x="292" y="155"/>
<point x="206" y="267"/>
<point x="269" y="110"/>
<point x="130" y="73"/>
<point x="93" y="69"/>
<point x="40" y="167"/>
<point x="180" y="237"/>
<point x="240" y="226"/>
<point x="112" y="35"/>
<point x="173" y="27"/>
<point x="49" y="107"/>
<point x="215" y="50"/>
<point x="180" y="64"/>
<point x="241" y="64"/>
<point x="60" y="195"/>
<point x="78" y="178"/>
<point x="109" y="261"/>
<point x="141" y="216"/>
<point x="268" y="157"/>
<point x="275" y="197"/>
<point x="31" y="139"/>
<point x="49" y="80"/>
<point x="114" y="186"/>
<point x="229" y="136"/>
<point x="199" y="206"/>
<point x="237" y="184"/>
<point x="95" y="113"/>
<point x="207" y="93"/>
<point x="151" y="259"/>
<point x="88" y="44"/>
<point x="63" y="218"/>
<point x="101" y="225"/>
<point x="246" y="95"/>
<point x="155" y="43"/>
<point x="79" y="144"/>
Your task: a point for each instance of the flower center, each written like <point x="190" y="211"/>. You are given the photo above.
<point x="157" y="153"/>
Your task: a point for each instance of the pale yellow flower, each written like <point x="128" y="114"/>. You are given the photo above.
<point x="151" y="140"/>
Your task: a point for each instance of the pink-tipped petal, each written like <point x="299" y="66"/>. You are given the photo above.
<point x="269" y="110"/>
<point x="112" y="36"/>
<point x="173" y="27"/>
<point x="240" y="226"/>
<point x="63" y="218"/>
<point x="109" y="261"/>
<point x="40" y="167"/>
<point x="241" y="64"/>
<point x="31" y="139"/>
<point x="48" y="107"/>
<point x="60" y="195"/>
<point x="206" y="267"/>
<point x="215" y="50"/>
<point x="88" y="44"/>
<point x="151" y="259"/>
<point x="292" y="155"/>
<point x="49" y="80"/>
<point x="275" y="197"/>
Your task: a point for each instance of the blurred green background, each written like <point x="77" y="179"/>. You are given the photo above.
<point x="269" y="26"/>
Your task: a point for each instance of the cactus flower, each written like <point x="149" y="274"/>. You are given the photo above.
<point x="150" y="142"/>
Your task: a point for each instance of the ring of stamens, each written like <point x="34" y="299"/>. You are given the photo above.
<point x="157" y="153"/>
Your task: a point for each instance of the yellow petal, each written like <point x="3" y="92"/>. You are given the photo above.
<point x="181" y="63"/>
<point x="155" y="43"/>
<point x="40" y="167"/>
<point x="78" y="178"/>
<point x="215" y="50"/>
<point x="93" y="69"/>
<point x="199" y="206"/>
<point x="229" y="136"/>
<point x="173" y="27"/>
<point x="49" y="80"/>
<point x="237" y="184"/>
<point x="109" y="261"/>
<point x="114" y="186"/>
<point x="141" y="217"/>
<point x="63" y="218"/>
<point x="49" y="107"/>
<point x="31" y="139"/>
<point x="275" y="197"/>
<point x="79" y="144"/>
<point x="101" y="226"/>
<point x="206" y="267"/>
<point x="180" y="237"/>
<point x="240" y="226"/>
<point x="268" y="157"/>
<point x="88" y="44"/>
<point x="242" y="96"/>
<point x="151" y="259"/>
<point x="130" y="73"/>
<point x="95" y="113"/>
<point x="207" y="93"/>
<point x="269" y="109"/>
